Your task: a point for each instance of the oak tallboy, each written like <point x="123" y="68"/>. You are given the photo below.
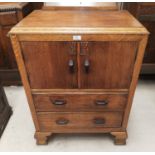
<point x="79" y="70"/>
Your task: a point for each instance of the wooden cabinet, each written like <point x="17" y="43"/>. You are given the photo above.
<point x="5" y="110"/>
<point x="79" y="73"/>
<point x="10" y="14"/>
<point x="145" y="13"/>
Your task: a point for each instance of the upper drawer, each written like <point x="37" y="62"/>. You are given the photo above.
<point x="78" y="102"/>
<point x="8" y="18"/>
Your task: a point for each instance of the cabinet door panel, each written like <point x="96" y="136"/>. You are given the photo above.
<point x="47" y="64"/>
<point x="110" y="64"/>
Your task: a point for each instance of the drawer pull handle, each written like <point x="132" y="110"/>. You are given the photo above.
<point x="62" y="121"/>
<point x="99" y="121"/>
<point x="101" y="102"/>
<point x="87" y="65"/>
<point x="71" y="66"/>
<point x="59" y="102"/>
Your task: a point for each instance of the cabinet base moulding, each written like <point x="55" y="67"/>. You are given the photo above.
<point x="42" y="137"/>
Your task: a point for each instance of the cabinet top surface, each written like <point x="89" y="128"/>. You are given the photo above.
<point x="72" y="22"/>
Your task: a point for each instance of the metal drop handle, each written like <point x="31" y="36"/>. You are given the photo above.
<point x="87" y="65"/>
<point x="71" y="66"/>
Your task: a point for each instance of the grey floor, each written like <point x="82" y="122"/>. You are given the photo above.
<point x="18" y="135"/>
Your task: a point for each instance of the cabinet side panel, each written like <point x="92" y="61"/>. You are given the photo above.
<point x="23" y="73"/>
<point x="137" y="67"/>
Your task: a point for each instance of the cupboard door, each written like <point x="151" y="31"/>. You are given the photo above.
<point x="50" y="64"/>
<point x="107" y="65"/>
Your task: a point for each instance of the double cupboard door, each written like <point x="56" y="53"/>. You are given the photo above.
<point x="79" y="65"/>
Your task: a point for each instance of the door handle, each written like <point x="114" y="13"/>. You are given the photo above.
<point x="87" y="65"/>
<point x="71" y="66"/>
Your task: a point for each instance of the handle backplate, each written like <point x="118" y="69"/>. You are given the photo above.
<point x="99" y="121"/>
<point x="101" y="102"/>
<point x="59" y="102"/>
<point x="62" y="121"/>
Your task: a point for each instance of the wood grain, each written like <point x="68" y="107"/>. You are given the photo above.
<point x="137" y="67"/>
<point x="51" y="61"/>
<point x="48" y="121"/>
<point x="101" y="23"/>
<point x="23" y="72"/>
<point x="109" y="68"/>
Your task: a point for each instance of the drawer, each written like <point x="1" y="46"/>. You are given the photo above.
<point x="79" y="102"/>
<point x="65" y="120"/>
<point x="8" y="18"/>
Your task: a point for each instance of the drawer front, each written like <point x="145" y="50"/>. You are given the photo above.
<point x="79" y="102"/>
<point x="8" y="18"/>
<point x="56" y="121"/>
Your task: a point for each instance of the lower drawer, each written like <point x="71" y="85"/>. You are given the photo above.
<point x="51" y="121"/>
<point x="78" y="102"/>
